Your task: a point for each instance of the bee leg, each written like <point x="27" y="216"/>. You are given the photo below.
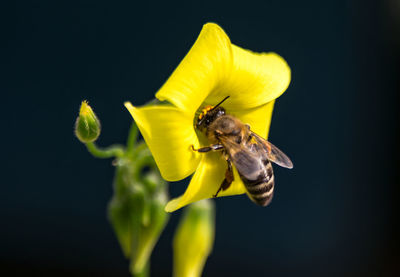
<point x="226" y="183"/>
<point x="214" y="147"/>
<point x="250" y="137"/>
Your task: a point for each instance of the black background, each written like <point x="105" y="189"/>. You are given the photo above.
<point x="334" y="214"/>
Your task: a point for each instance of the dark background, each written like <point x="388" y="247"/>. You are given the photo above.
<point x="334" y="214"/>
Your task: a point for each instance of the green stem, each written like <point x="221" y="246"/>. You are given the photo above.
<point x="132" y="138"/>
<point x="140" y="149"/>
<point x="110" y="152"/>
<point x="145" y="272"/>
<point x="140" y="163"/>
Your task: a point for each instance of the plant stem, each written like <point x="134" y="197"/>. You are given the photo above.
<point x="132" y="138"/>
<point x="110" y="152"/>
<point x="145" y="272"/>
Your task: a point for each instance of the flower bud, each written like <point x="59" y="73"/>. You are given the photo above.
<point x="194" y="239"/>
<point x="125" y="214"/>
<point x="137" y="214"/>
<point x="87" y="125"/>
<point x="150" y="233"/>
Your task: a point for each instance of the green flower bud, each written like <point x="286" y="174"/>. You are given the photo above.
<point x="194" y="239"/>
<point x="125" y="214"/>
<point x="150" y="233"/>
<point x="136" y="212"/>
<point x="87" y="126"/>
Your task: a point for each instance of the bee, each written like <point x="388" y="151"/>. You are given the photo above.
<point x="248" y="152"/>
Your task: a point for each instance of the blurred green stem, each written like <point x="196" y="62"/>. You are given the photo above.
<point x="132" y="139"/>
<point x="109" y="152"/>
<point x="145" y="272"/>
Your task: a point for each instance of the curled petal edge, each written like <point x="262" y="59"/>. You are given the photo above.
<point x="208" y="62"/>
<point x="169" y="133"/>
<point x="255" y="80"/>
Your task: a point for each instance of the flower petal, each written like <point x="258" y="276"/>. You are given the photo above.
<point x="169" y="133"/>
<point x="258" y="118"/>
<point x="255" y="79"/>
<point x="207" y="63"/>
<point x="206" y="181"/>
<point x="211" y="171"/>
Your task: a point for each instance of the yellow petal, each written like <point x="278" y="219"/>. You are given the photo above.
<point x="169" y="133"/>
<point x="255" y="79"/>
<point x="204" y="67"/>
<point x="211" y="171"/>
<point x="206" y="181"/>
<point x="258" y="118"/>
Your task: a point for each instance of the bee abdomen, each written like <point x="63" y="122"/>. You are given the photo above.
<point x="261" y="192"/>
<point x="261" y="187"/>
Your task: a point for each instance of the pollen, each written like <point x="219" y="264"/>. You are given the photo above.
<point x="205" y="110"/>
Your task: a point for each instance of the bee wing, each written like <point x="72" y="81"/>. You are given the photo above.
<point x="273" y="153"/>
<point x="247" y="162"/>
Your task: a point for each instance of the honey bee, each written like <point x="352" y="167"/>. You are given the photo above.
<point x="248" y="152"/>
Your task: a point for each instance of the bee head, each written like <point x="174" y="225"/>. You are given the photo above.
<point x="209" y="114"/>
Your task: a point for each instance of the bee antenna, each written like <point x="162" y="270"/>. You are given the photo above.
<point x="220" y="102"/>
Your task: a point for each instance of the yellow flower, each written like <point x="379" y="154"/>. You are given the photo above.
<point x="213" y="69"/>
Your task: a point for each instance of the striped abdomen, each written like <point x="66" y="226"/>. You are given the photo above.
<point x="261" y="190"/>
